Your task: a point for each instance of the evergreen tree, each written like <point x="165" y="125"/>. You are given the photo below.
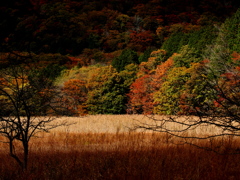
<point x="232" y="26"/>
<point x="127" y="56"/>
<point x="218" y="53"/>
<point x="174" y="43"/>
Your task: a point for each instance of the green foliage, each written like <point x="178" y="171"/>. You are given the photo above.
<point x="218" y="53"/>
<point x="174" y="43"/>
<point x="185" y="57"/>
<point x="145" y="55"/>
<point x="127" y="56"/>
<point x="168" y="96"/>
<point x="232" y="26"/>
<point x="198" y="93"/>
<point x="115" y="33"/>
<point x="51" y="72"/>
<point x="80" y="73"/>
<point x="201" y="38"/>
<point x="197" y="39"/>
<point x="109" y="99"/>
<point x="121" y="22"/>
<point x="49" y="66"/>
<point x="129" y="75"/>
<point x="109" y="96"/>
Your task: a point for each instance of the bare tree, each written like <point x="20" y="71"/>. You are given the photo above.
<point x="28" y="104"/>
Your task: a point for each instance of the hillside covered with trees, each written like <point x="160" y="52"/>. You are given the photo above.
<point x="119" y="56"/>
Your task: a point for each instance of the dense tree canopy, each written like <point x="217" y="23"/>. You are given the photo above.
<point x="127" y="56"/>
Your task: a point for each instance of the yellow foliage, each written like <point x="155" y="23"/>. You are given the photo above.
<point x="157" y="53"/>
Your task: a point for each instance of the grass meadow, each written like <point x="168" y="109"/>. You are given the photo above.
<point x="105" y="147"/>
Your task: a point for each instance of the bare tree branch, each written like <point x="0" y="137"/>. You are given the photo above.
<point x="27" y="107"/>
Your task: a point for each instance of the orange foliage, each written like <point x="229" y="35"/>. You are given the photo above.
<point x="20" y="80"/>
<point x="158" y="52"/>
<point x="76" y="90"/>
<point x="235" y="56"/>
<point x="3" y="82"/>
<point x="150" y="79"/>
<point x="161" y="72"/>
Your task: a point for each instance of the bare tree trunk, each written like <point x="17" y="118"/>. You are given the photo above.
<point x="13" y="155"/>
<point x="25" y="160"/>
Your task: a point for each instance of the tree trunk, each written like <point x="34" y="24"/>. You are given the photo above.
<point x="13" y="155"/>
<point x="25" y="160"/>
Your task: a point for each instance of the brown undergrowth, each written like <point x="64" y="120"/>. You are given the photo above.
<point x="133" y="155"/>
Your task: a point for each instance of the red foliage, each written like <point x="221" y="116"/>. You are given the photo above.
<point x="141" y="40"/>
<point x="77" y="61"/>
<point x="172" y="18"/>
<point x="229" y="91"/>
<point x="141" y="98"/>
<point x="140" y="95"/>
<point x="38" y="2"/>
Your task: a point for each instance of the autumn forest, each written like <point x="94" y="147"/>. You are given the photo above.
<point x="166" y="57"/>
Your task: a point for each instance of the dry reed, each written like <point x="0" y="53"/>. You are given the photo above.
<point x="102" y="147"/>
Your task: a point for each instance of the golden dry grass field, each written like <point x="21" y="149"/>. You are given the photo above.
<point x="105" y="147"/>
<point x="118" y="124"/>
